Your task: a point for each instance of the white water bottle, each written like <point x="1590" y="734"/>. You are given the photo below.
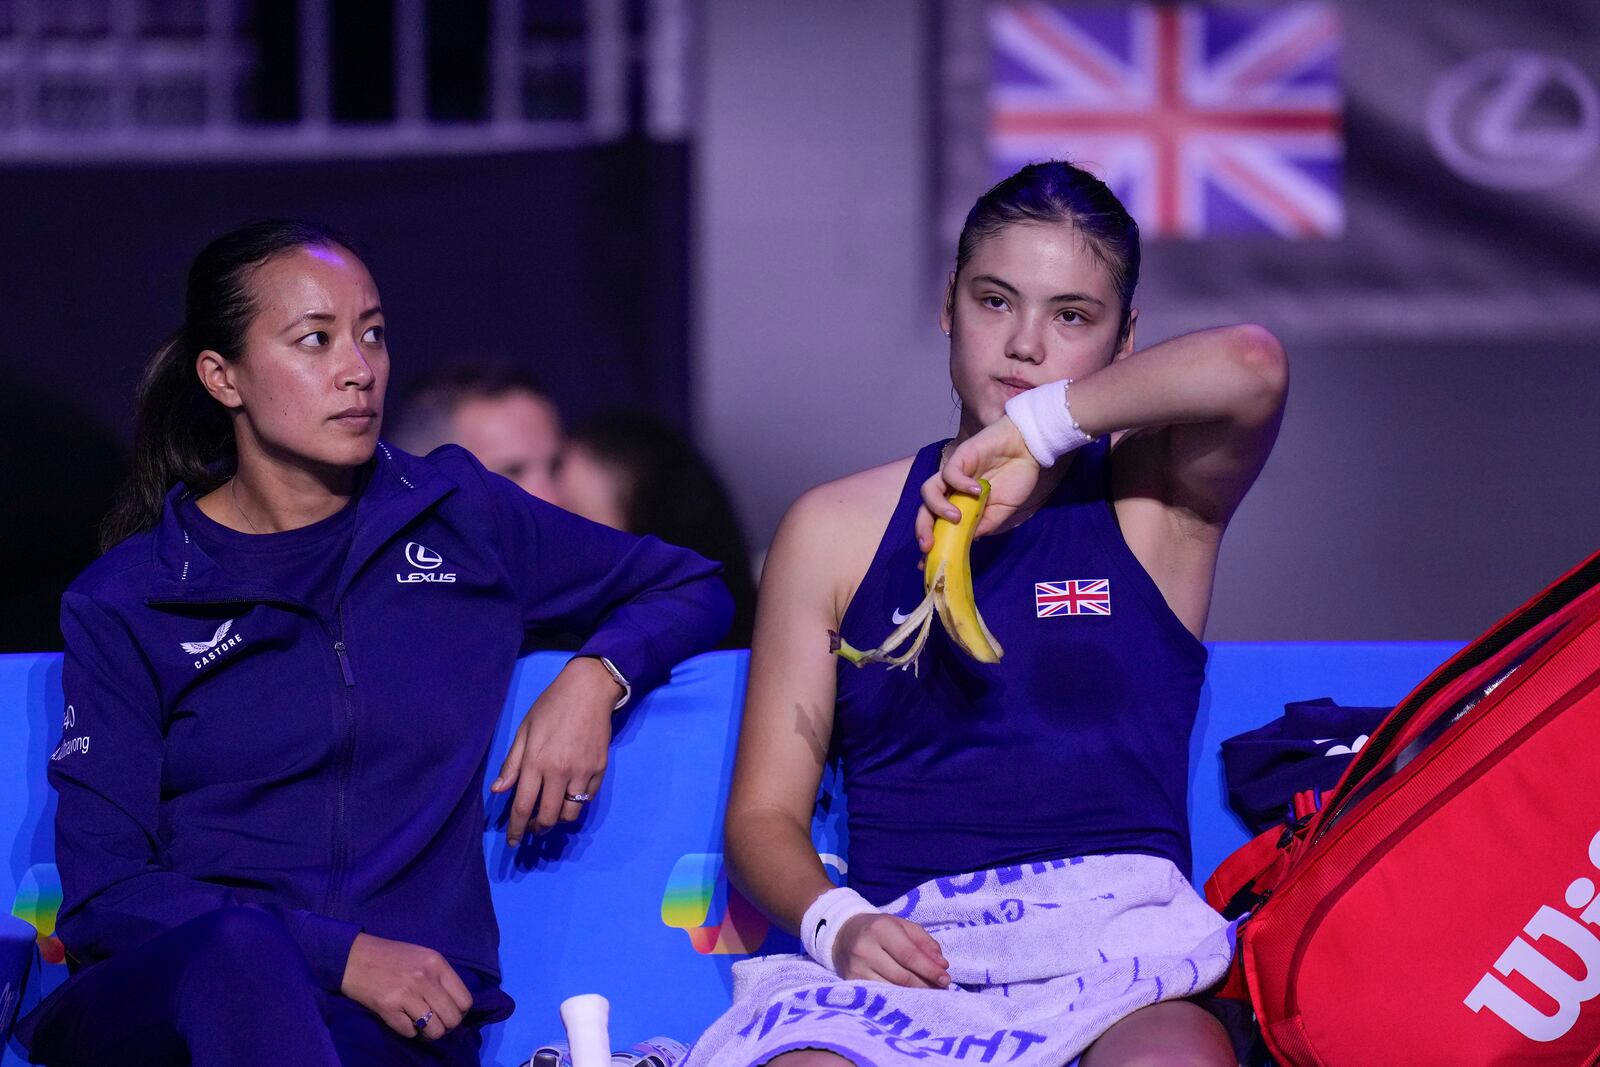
<point x="587" y="1019"/>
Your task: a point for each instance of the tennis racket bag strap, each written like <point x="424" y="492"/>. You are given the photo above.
<point x="1236" y="888"/>
<point x="1442" y="907"/>
<point x="1245" y="880"/>
<point x="1248" y="875"/>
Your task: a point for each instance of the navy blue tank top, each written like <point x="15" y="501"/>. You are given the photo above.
<point x="1076" y="743"/>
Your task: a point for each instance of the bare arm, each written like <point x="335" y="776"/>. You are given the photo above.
<point x="788" y="720"/>
<point x="822" y="549"/>
<point x="1202" y="410"/>
<point x="1198" y="415"/>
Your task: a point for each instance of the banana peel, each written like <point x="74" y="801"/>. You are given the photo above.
<point x="947" y="582"/>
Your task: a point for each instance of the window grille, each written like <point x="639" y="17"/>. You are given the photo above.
<point x="93" y="80"/>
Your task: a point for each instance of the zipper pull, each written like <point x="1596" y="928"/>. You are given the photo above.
<point x="344" y="663"/>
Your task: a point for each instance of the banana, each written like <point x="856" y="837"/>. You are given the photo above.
<point x="947" y="583"/>
<point x="947" y="578"/>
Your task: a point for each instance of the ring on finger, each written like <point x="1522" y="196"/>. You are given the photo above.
<point x="421" y="1022"/>
<point x="580" y="798"/>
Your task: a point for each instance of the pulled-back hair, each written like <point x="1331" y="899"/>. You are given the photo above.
<point x="181" y="434"/>
<point x="1057" y="191"/>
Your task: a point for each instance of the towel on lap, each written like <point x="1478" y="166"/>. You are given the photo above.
<point x="1044" y="957"/>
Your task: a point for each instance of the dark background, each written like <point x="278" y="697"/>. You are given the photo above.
<point x="570" y="262"/>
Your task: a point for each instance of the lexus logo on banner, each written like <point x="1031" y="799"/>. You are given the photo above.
<point x="1514" y="120"/>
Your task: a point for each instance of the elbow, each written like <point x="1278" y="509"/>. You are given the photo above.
<point x="742" y="823"/>
<point x="1261" y="366"/>
<point x="748" y="831"/>
<point x="703" y="605"/>
<point x="734" y="834"/>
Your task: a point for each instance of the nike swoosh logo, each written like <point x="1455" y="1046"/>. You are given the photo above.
<point x="897" y="618"/>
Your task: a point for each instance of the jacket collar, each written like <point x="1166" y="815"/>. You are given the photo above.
<point x="399" y="489"/>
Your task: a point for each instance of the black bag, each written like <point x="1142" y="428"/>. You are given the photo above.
<point x="1308" y="748"/>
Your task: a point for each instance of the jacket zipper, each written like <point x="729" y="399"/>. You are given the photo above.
<point x="347" y="746"/>
<point x="344" y="660"/>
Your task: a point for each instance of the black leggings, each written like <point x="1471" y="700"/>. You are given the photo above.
<point x="230" y="987"/>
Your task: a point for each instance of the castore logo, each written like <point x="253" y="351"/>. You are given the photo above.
<point x="208" y="651"/>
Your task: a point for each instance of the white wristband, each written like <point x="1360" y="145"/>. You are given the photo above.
<point x="1043" y="415"/>
<point x="823" y="919"/>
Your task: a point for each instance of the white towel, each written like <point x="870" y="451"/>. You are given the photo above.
<point x="1043" y="959"/>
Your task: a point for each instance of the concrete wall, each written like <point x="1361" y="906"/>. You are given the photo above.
<point x="817" y="346"/>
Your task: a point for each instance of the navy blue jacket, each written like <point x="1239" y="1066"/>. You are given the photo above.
<point x="331" y="769"/>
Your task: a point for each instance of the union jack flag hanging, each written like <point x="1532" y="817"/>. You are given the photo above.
<point x="1077" y="597"/>
<point x="1205" y="121"/>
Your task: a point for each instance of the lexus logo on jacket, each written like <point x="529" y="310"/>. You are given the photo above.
<point x="426" y="563"/>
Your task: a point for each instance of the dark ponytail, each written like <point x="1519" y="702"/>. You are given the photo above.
<point x="181" y="434"/>
<point x="1056" y="191"/>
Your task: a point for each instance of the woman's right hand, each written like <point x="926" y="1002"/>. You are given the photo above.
<point x="400" y="983"/>
<point x="996" y="453"/>
<point x="886" y="948"/>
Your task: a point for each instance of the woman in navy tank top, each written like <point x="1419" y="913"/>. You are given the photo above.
<point x="1114" y="475"/>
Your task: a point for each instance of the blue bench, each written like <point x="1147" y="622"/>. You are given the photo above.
<point x="633" y="904"/>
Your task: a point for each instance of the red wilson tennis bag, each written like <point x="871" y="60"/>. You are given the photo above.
<point x="1441" y="906"/>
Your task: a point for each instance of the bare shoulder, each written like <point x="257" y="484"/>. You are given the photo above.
<point x="852" y="499"/>
<point x="829" y="534"/>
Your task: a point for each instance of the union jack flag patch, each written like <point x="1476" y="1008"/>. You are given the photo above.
<point x="1083" y="596"/>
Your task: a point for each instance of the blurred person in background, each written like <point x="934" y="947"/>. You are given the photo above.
<point x="497" y="412"/>
<point x="282" y="682"/>
<point x="634" y="472"/>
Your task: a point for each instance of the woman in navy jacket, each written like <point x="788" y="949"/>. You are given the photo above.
<point x="282" y="682"/>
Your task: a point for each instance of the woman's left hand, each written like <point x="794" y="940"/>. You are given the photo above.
<point x="997" y="453"/>
<point x="560" y="749"/>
